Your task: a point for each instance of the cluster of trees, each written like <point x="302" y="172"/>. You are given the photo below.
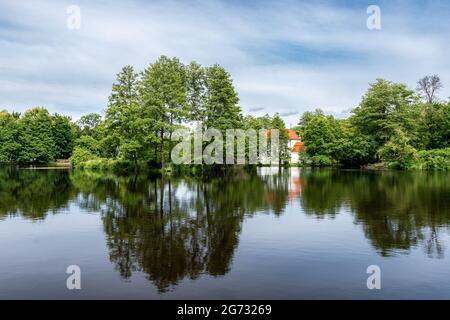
<point x="393" y="124"/>
<point x="145" y="109"/>
<point x="35" y="136"/>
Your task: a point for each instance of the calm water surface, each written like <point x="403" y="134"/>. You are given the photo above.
<point x="292" y="234"/>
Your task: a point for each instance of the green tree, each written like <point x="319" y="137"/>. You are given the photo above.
<point x="283" y="151"/>
<point x="437" y="122"/>
<point x="36" y="136"/>
<point x="222" y="110"/>
<point x="196" y="90"/>
<point x="397" y="151"/>
<point x="164" y="94"/>
<point x="351" y="148"/>
<point x="306" y="117"/>
<point x="64" y="133"/>
<point x="386" y="107"/>
<point x="125" y="128"/>
<point x="321" y="134"/>
<point x="89" y="124"/>
<point x="9" y="137"/>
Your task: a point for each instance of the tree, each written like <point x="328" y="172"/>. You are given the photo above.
<point x="64" y="135"/>
<point x="306" y="118"/>
<point x="222" y="110"/>
<point x="397" y="151"/>
<point x="283" y="151"/>
<point x="351" y="148"/>
<point x="164" y="96"/>
<point x="196" y="90"/>
<point x="121" y="114"/>
<point x="385" y="107"/>
<point x="36" y="136"/>
<point x="437" y="122"/>
<point x="321" y="134"/>
<point x="9" y="137"/>
<point x="89" y="124"/>
<point x="428" y="87"/>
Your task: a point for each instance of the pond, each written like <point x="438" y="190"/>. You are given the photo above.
<point x="273" y="234"/>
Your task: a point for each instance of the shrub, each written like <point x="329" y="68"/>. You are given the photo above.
<point x="321" y="161"/>
<point x="80" y="156"/>
<point x="438" y="159"/>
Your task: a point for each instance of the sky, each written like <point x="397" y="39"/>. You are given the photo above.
<point x="283" y="56"/>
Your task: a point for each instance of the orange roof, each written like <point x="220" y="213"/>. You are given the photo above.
<point x="297" y="146"/>
<point x="292" y="135"/>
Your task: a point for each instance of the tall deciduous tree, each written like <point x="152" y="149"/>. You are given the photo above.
<point x="123" y="116"/>
<point x="196" y="91"/>
<point x="164" y="93"/>
<point x="222" y="110"/>
<point x="384" y="108"/>
<point x="89" y="124"/>
<point x="283" y="150"/>
<point x="64" y="133"/>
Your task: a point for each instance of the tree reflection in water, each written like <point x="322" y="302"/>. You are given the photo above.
<point x="173" y="228"/>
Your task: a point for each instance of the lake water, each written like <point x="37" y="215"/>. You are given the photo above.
<point x="290" y="234"/>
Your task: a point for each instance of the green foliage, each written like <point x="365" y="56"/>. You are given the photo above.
<point x="36" y="137"/>
<point x="389" y="125"/>
<point x="320" y="135"/>
<point x="222" y="110"/>
<point x="80" y="156"/>
<point x="88" y="143"/>
<point x="164" y="96"/>
<point x="9" y="137"/>
<point x="278" y="124"/>
<point x="437" y="122"/>
<point x="320" y="161"/>
<point x="384" y="108"/>
<point x="352" y="148"/>
<point x="432" y="160"/>
<point x="397" y="152"/>
<point x="64" y="133"/>
<point x="89" y="124"/>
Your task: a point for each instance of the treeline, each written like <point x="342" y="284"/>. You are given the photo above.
<point x="143" y="111"/>
<point x="393" y="126"/>
<point x="36" y="136"/>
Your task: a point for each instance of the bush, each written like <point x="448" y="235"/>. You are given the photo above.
<point x="438" y="159"/>
<point x="397" y="152"/>
<point x="80" y="156"/>
<point x="321" y="161"/>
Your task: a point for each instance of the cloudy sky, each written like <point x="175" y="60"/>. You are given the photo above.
<point x="284" y="56"/>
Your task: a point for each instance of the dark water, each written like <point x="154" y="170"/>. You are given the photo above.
<point x="289" y="235"/>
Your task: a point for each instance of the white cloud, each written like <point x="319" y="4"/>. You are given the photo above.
<point x="283" y="56"/>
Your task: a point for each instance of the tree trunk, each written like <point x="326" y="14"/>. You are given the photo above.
<point x="162" y="148"/>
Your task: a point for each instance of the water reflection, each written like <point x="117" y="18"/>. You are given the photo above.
<point x="176" y="228"/>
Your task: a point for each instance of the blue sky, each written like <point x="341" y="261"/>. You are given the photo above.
<point x="284" y="56"/>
